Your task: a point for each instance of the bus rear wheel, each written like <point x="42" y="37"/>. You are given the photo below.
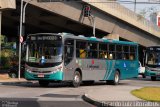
<point x="43" y="83"/>
<point x="153" y="78"/>
<point x="116" y="78"/>
<point x="77" y="78"/>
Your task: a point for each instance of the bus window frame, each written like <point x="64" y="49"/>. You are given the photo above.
<point x="104" y="51"/>
<point x="65" y="53"/>
<point x="111" y="53"/>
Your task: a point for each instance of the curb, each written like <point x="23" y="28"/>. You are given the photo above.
<point x="94" y="102"/>
<point x="15" y="83"/>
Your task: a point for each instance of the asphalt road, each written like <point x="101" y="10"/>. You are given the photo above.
<point x="58" y="94"/>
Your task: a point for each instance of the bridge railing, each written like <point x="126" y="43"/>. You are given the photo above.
<point x="119" y="11"/>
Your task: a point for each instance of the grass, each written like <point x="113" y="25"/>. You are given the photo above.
<point x="148" y="93"/>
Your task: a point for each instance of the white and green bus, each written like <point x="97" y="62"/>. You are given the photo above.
<point x="152" y="62"/>
<point x="65" y="57"/>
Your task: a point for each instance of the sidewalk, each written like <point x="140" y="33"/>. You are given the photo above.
<point x="6" y="80"/>
<point x="103" y="96"/>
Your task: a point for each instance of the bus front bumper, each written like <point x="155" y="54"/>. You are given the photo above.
<point x="58" y="76"/>
<point x="152" y="73"/>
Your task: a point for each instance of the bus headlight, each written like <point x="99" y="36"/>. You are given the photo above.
<point x="59" y="68"/>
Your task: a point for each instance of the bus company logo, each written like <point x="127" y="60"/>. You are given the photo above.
<point x="124" y="65"/>
<point x="93" y="66"/>
<point x="92" y="61"/>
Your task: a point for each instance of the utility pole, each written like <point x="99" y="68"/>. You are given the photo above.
<point x="20" y="36"/>
<point x="135" y="3"/>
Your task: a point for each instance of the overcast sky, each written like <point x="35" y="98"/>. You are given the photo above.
<point x="141" y="5"/>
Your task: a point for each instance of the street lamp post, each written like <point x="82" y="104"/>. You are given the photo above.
<point x="20" y="36"/>
<point x="22" y="21"/>
<point x="24" y="10"/>
<point x="135" y="3"/>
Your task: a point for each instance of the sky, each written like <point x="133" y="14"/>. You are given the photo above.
<point x="142" y="5"/>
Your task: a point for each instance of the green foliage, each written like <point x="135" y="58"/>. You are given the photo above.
<point x="8" y="58"/>
<point x="3" y="39"/>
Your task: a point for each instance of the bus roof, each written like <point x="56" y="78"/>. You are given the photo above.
<point x="82" y="37"/>
<point x="158" y="46"/>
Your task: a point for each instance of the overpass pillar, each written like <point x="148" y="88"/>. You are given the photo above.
<point x="5" y="5"/>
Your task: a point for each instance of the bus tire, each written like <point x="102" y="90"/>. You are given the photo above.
<point x="77" y="78"/>
<point x="116" y="78"/>
<point x="43" y="83"/>
<point x="143" y="76"/>
<point x="153" y="78"/>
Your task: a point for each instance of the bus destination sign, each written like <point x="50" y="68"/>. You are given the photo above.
<point x="154" y="48"/>
<point x="44" y="38"/>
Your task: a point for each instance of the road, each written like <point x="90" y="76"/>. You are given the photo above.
<point x="59" y="94"/>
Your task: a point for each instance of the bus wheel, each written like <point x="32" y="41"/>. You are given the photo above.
<point x="43" y="83"/>
<point x="153" y="78"/>
<point x="76" y="79"/>
<point x="116" y="78"/>
<point x="143" y="76"/>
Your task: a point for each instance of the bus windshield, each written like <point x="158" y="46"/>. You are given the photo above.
<point x="153" y="59"/>
<point x="44" y="52"/>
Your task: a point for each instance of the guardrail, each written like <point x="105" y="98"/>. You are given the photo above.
<point x="119" y="11"/>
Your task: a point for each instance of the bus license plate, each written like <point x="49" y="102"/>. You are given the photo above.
<point x="40" y="75"/>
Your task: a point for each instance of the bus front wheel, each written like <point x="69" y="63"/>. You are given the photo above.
<point x="76" y="79"/>
<point x="153" y="78"/>
<point x="43" y="83"/>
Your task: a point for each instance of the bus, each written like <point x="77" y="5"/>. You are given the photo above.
<point x="55" y="57"/>
<point x="152" y="62"/>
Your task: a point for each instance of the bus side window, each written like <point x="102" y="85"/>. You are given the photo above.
<point x="110" y="56"/>
<point x="81" y="49"/>
<point x="68" y="51"/>
<point x="103" y="54"/>
<point x="131" y="57"/>
<point x="82" y="53"/>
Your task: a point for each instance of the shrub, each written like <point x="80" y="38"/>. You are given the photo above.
<point x="7" y="58"/>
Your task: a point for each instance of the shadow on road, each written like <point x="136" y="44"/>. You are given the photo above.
<point x="144" y="79"/>
<point x="60" y="84"/>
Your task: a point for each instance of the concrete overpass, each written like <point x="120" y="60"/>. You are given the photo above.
<point x="111" y="18"/>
